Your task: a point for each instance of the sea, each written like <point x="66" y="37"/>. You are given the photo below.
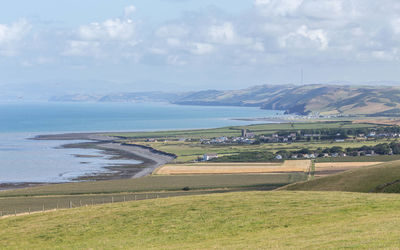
<point x="26" y="160"/>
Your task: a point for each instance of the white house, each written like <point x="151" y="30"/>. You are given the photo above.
<point x="207" y="157"/>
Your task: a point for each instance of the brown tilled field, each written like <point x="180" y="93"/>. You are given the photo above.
<point x="235" y="168"/>
<point x="327" y="168"/>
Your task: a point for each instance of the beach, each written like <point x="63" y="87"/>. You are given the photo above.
<point x="148" y="158"/>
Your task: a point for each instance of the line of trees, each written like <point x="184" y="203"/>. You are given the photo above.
<point x="380" y="149"/>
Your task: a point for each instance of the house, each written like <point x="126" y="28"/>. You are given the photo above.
<point x="207" y="157"/>
<point x="278" y="157"/>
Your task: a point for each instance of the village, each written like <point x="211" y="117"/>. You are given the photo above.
<point x="248" y="137"/>
<point x="331" y="136"/>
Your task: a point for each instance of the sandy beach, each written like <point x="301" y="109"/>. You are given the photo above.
<point x="150" y="158"/>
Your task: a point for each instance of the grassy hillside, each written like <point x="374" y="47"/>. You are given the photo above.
<point x="380" y="178"/>
<point x="248" y="220"/>
<point x="328" y="99"/>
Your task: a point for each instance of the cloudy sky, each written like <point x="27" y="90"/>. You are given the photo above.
<point x="75" y="46"/>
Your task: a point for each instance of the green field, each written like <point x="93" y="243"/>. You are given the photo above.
<point x="236" y="130"/>
<point x="158" y="183"/>
<point x="379" y="178"/>
<point x="247" y="220"/>
<point x="87" y="193"/>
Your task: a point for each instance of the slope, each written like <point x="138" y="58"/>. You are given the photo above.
<point x="248" y="220"/>
<point x="384" y="177"/>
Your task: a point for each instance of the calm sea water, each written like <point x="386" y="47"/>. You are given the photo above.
<point x="23" y="160"/>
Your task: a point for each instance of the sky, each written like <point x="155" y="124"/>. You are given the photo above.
<point x="59" y="47"/>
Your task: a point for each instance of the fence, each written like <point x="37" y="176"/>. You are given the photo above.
<point x="13" y="206"/>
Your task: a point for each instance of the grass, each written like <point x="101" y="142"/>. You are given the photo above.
<point x="22" y="205"/>
<point x="376" y="158"/>
<point x="376" y="178"/>
<point x="88" y="193"/>
<point x="247" y="220"/>
<point x="157" y="183"/>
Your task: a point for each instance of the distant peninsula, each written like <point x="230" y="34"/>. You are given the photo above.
<point x="294" y="99"/>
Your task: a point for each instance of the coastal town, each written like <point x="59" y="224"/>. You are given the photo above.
<point x="332" y="136"/>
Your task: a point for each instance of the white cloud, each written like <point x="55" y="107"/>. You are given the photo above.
<point x="278" y="7"/>
<point x="226" y="34"/>
<point x="11" y="35"/>
<point x="172" y="31"/>
<point x="111" y="29"/>
<point x="304" y="38"/>
<point x="272" y="32"/>
<point x="129" y="10"/>
<point x="83" y="48"/>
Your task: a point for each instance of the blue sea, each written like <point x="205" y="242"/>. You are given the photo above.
<point x="24" y="160"/>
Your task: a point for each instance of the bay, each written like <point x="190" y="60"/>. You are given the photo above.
<point x="23" y="160"/>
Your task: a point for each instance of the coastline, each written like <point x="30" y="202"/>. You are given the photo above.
<point x="150" y="159"/>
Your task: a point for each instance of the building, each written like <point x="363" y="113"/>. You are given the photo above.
<point x="207" y="157"/>
<point x="247" y="134"/>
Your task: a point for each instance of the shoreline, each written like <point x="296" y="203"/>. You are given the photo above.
<point x="150" y="159"/>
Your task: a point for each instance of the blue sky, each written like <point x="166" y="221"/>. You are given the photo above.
<point x="52" y="47"/>
<point x="76" y="12"/>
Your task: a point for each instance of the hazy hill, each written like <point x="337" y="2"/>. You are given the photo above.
<point x="325" y="99"/>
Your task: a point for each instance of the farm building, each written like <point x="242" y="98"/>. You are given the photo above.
<point x="207" y="157"/>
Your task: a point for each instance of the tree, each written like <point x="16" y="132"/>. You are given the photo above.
<point x="336" y="149"/>
<point x="382" y="149"/>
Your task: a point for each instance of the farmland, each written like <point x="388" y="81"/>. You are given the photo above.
<point x="301" y="166"/>
<point x="247" y="220"/>
<point x="189" y="151"/>
<point x="236" y="130"/>
<point x="187" y="146"/>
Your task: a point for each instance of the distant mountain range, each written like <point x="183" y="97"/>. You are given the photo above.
<point x="305" y="99"/>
